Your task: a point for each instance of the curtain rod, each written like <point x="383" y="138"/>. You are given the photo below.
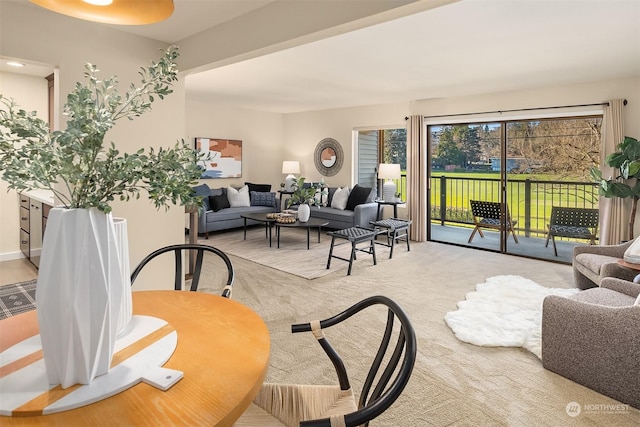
<point x="519" y="109"/>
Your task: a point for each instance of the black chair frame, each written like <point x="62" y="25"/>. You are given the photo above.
<point x="374" y="398"/>
<point x="577" y="223"/>
<point x="489" y="215"/>
<point x="178" y="251"/>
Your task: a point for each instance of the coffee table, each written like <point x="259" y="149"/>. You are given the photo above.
<point x="259" y="217"/>
<point x="311" y="223"/>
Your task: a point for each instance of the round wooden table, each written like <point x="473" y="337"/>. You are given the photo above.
<point x="223" y="350"/>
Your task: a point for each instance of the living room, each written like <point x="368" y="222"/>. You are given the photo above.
<point x="268" y="138"/>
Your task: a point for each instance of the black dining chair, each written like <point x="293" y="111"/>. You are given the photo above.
<point x="182" y="251"/>
<point x="329" y="405"/>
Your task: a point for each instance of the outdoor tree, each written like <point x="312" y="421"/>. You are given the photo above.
<point x="395" y="147"/>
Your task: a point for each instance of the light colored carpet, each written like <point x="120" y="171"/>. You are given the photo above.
<point x="293" y="256"/>
<point x="453" y="383"/>
<point x="504" y="311"/>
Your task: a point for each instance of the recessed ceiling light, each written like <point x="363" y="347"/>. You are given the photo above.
<point x="15" y="64"/>
<point x="119" y="12"/>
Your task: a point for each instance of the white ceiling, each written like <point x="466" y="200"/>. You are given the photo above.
<point x="469" y="47"/>
<point x="465" y="48"/>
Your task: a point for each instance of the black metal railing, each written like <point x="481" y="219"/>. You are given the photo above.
<point x="529" y="201"/>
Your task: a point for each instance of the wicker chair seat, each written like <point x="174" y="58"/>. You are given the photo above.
<point x="571" y="231"/>
<point x="288" y="404"/>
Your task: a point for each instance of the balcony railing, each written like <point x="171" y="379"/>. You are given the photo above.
<point x="529" y="201"/>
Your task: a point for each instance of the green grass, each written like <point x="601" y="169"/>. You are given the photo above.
<point x="542" y="196"/>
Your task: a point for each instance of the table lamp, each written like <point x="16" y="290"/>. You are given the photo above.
<point x="290" y="167"/>
<point x="389" y="171"/>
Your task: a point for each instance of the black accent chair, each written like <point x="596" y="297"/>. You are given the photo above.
<point x="313" y="405"/>
<point x="184" y="249"/>
<point x="576" y="223"/>
<point x="489" y="215"/>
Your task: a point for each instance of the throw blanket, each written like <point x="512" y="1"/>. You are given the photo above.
<point x="505" y="311"/>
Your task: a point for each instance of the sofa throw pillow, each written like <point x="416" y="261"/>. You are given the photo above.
<point x="357" y="196"/>
<point x="332" y="191"/>
<point x="219" y="202"/>
<point x="260" y="188"/>
<point x="238" y="198"/>
<point x="340" y="198"/>
<point x="203" y="191"/>
<point x="261" y="198"/>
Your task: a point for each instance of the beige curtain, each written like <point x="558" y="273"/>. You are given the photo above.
<point x="614" y="213"/>
<point x="417" y="178"/>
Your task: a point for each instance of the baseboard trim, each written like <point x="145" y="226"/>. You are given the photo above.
<point x="10" y="256"/>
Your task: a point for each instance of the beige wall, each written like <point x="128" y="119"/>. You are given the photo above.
<point x="31" y="95"/>
<point x="261" y="134"/>
<point x="68" y="43"/>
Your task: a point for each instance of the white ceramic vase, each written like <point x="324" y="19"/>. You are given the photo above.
<point x="122" y="243"/>
<point x="78" y="296"/>
<point x="304" y="212"/>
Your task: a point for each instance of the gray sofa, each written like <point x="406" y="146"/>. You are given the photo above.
<point x="212" y="218"/>
<point x="358" y="213"/>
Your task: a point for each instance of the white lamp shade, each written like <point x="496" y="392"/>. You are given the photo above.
<point x="290" y="166"/>
<point x="389" y="171"/>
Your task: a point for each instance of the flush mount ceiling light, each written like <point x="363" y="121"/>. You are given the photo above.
<point x="119" y="12"/>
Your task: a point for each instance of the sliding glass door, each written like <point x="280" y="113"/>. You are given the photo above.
<point x="493" y="185"/>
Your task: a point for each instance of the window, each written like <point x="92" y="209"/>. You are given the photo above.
<point x="381" y="146"/>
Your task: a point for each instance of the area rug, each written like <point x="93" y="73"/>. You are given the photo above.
<point x="504" y="311"/>
<point x="17" y="298"/>
<point x="293" y="256"/>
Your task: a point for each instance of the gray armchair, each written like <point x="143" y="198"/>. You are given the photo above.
<point x="593" y="263"/>
<point x="593" y="338"/>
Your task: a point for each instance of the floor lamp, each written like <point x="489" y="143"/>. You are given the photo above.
<point x="389" y="171"/>
<point x="290" y="167"/>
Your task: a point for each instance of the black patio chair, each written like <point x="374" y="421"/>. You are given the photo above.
<point x="181" y="250"/>
<point x="576" y="223"/>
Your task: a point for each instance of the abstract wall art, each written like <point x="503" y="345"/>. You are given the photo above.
<point x="223" y="157"/>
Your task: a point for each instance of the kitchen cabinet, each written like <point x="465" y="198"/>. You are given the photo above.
<point x="34" y="210"/>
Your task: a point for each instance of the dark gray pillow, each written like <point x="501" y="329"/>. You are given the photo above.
<point x="203" y="191"/>
<point x="357" y="196"/>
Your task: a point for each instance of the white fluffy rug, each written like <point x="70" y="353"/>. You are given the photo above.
<point x="504" y="311"/>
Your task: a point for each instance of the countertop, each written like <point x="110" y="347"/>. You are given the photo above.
<point x="44" y="196"/>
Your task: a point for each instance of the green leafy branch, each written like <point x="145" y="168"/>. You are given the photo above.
<point x="92" y="175"/>
<point x="626" y="160"/>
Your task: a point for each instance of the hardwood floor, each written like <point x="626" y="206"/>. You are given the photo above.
<point x="15" y="271"/>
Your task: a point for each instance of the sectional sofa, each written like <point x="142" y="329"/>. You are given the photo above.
<point x="218" y="213"/>
<point x="359" y="210"/>
<point x="356" y="206"/>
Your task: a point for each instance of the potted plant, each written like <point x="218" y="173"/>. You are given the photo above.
<point x="80" y="279"/>
<point x="304" y="196"/>
<point x="627" y="182"/>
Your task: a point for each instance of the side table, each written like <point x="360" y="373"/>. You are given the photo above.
<point x="397" y="229"/>
<point x="284" y="193"/>
<point x="382" y="203"/>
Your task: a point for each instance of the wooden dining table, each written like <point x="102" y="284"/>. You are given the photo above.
<point x="222" y="350"/>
